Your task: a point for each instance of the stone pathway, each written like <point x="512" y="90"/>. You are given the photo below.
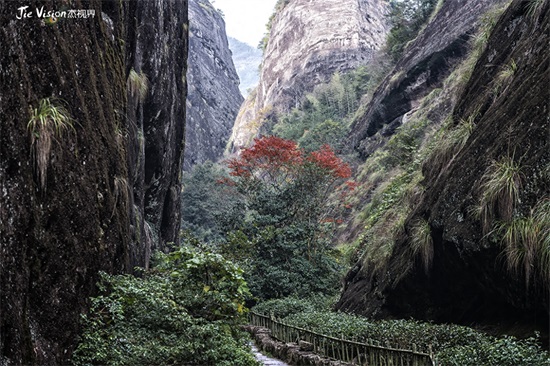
<point x="264" y="360"/>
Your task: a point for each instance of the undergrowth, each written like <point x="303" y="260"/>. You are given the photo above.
<point x="452" y="344"/>
<point x="185" y="311"/>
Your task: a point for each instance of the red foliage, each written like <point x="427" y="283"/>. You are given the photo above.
<point x="281" y="166"/>
<point x="267" y="153"/>
<point x="330" y="220"/>
<point x="351" y="185"/>
<point x="326" y="159"/>
<point x="279" y="161"/>
<point x="239" y="168"/>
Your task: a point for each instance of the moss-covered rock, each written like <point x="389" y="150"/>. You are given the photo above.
<point x="57" y="233"/>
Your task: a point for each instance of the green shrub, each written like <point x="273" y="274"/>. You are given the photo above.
<point x="184" y="311"/>
<point x="506" y="351"/>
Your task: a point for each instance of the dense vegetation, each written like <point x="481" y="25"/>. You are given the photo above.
<point x="271" y="212"/>
<point x="325" y="114"/>
<point x="183" y="311"/>
<point x="452" y="344"/>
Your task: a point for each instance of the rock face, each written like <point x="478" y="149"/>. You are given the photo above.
<point x="310" y="41"/>
<point x="247" y="61"/>
<point x="468" y="280"/>
<point x="429" y="59"/>
<point x="157" y="48"/>
<point x="105" y="181"/>
<point x="214" y="99"/>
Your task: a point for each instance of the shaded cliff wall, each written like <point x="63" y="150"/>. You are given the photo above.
<point x="156" y="47"/>
<point x="468" y="280"/>
<point x="214" y="98"/>
<point x="57" y="236"/>
<point x="425" y="64"/>
<point x="308" y="43"/>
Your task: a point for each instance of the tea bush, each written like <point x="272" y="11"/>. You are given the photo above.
<point x="452" y="344"/>
<point x="184" y="311"/>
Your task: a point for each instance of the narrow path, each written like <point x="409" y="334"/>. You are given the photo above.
<point x="264" y="360"/>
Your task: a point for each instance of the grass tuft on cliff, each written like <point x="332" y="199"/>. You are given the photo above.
<point x="526" y="242"/>
<point x="422" y="243"/>
<point x="138" y="84"/>
<point x="47" y="121"/>
<point x="501" y="185"/>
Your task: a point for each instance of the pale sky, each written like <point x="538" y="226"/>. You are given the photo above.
<point x="245" y="20"/>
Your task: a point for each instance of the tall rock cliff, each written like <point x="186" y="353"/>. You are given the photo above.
<point x="214" y="98"/>
<point x="156" y="50"/>
<point x="425" y="64"/>
<point x="78" y="200"/>
<point x="471" y="278"/>
<point x="308" y="42"/>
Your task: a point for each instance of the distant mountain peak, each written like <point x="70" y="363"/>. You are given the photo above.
<point x="247" y="61"/>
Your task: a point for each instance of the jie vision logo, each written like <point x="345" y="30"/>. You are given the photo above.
<point x="52" y="16"/>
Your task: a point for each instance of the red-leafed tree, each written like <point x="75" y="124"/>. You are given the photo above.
<point x="326" y="160"/>
<point x="279" y="167"/>
<point x="271" y="160"/>
<point x="287" y="194"/>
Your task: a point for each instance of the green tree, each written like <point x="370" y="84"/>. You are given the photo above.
<point x="407" y="18"/>
<point x="328" y="132"/>
<point x="286" y="193"/>
<point x="209" y="207"/>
